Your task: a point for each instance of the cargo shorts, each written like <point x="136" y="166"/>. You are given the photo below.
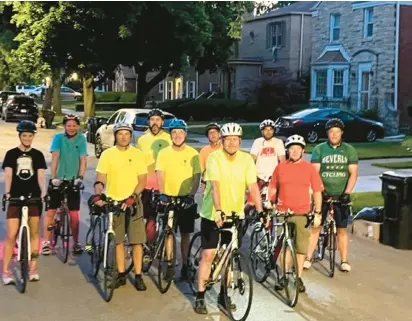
<point x="131" y="223"/>
<point x="301" y="234"/>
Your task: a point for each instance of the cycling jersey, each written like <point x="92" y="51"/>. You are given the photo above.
<point x="151" y="145"/>
<point x="178" y="167"/>
<point x="205" y="152"/>
<point x="122" y="169"/>
<point x="334" y="165"/>
<point x="267" y="154"/>
<point x="233" y="177"/>
<point x="70" y="149"/>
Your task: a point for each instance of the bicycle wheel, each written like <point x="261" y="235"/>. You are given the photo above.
<point x="332" y="251"/>
<point x="62" y="236"/>
<point x="260" y="254"/>
<point x="321" y="246"/>
<point x="128" y="256"/>
<point x="97" y="246"/>
<point x="238" y="283"/>
<point x="166" y="262"/>
<point x="193" y="260"/>
<point x="110" y="269"/>
<point x="24" y="260"/>
<point x="290" y="272"/>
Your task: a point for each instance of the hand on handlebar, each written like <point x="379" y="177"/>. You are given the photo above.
<point x="264" y="219"/>
<point x="128" y="202"/>
<point x="99" y="199"/>
<point x="78" y="182"/>
<point x="56" y="182"/>
<point x="219" y="218"/>
<point x="188" y="202"/>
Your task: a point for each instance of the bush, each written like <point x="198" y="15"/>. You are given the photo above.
<point x="173" y="103"/>
<point x="112" y="96"/>
<point x="371" y="114"/>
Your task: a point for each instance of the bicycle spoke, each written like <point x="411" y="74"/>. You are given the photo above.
<point x="260" y="255"/>
<point x="193" y="261"/>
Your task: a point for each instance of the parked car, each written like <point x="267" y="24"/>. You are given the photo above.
<point x="36" y="92"/>
<point x="310" y="123"/>
<point x="19" y="107"/>
<point x="5" y="94"/>
<point x="104" y="137"/>
<point x="25" y="88"/>
<point x="69" y="94"/>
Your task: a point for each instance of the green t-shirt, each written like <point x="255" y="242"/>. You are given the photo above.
<point x="334" y="165"/>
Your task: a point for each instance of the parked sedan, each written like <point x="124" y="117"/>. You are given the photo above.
<point x="310" y="123"/>
<point x="104" y="137"/>
<point x="4" y="95"/>
<point x="20" y="108"/>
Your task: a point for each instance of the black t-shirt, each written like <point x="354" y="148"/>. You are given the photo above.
<point x="25" y="166"/>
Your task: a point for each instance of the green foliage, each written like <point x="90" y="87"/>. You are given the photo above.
<point x="112" y="96"/>
<point x="173" y="103"/>
<point x="372" y="114"/>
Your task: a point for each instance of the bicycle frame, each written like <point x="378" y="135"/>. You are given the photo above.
<point x="110" y="229"/>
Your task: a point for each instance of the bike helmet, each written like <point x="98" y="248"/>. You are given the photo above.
<point x="66" y="118"/>
<point x="212" y="126"/>
<point x="231" y="129"/>
<point x="122" y="126"/>
<point x="267" y="123"/>
<point x="155" y="112"/>
<point x="334" y="122"/>
<point x="295" y="140"/>
<point x="26" y="126"/>
<point x="177" y="124"/>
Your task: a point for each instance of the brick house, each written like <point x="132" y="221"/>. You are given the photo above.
<point x="274" y="46"/>
<point x="360" y="53"/>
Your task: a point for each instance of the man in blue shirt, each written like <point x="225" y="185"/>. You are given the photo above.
<point x="69" y="152"/>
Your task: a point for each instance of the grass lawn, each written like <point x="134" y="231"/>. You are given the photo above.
<point x="394" y="165"/>
<point x="366" y="199"/>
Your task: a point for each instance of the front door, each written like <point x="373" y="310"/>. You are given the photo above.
<point x="364" y="86"/>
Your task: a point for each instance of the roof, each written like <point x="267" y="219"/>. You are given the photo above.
<point x="331" y="57"/>
<point x="128" y="72"/>
<point x="300" y="7"/>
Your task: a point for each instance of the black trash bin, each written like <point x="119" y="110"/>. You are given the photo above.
<point x="397" y="223"/>
<point x="93" y="124"/>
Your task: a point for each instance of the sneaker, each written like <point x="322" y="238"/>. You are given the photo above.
<point x="88" y="248"/>
<point x="221" y="303"/>
<point x="184" y="276"/>
<point x="120" y="281"/>
<point x="46" y="249"/>
<point x="307" y="264"/>
<point x="170" y="273"/>
<point x="345" y="266"/>
<point x="301" y="286"/>
<point x="139" y="283"/>
<point x="34" y="275"/>
<point x="279" y="286"/>
<point x="200" y="306"/>
<point x="7" y="278"/>
<point x="77" y="248"/>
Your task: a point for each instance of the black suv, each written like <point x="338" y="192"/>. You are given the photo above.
<point x="20" y="108"/>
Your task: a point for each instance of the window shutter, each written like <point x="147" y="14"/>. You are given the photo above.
<point x="283" y="28"/>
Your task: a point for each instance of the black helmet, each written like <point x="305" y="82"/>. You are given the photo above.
<point x="26" y="126"/>
<point x="155" y="112"/>
<point x="334" y="122"/>
<point x="66" y="118"/>
<point x="212" y="126"/>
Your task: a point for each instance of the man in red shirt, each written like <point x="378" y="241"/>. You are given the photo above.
<point x="292" y="182"/>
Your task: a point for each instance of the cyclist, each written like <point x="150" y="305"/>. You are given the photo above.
<point x="178" y="174"/>
<point x="69" y="152"/>
<point x="122" y="170"/>
<point x="337" y="163"/>
<point x="24" y="169"/>
<point x="291" y="183"/>
<point x="151" y="143"/>
<point x="213" y="135"/>
<point x="228" y="172"/>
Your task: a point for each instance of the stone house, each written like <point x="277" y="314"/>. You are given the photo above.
<point x="275" y="46"/>
<point x="360" y="53"/>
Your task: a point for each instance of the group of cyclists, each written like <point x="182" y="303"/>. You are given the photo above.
<point x="164" y="162"/>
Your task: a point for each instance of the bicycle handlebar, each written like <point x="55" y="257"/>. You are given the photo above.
<point x="24" y="200"/>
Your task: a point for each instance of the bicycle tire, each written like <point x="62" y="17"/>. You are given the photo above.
<point x="128" y="255"/>
<point x="292" y="298"/>
<point x="256" y="256"/>
<point x="24" y="260"/>
<point x="238" y="259"/>
<point x="110" y="270"/>
<point x="332" y="251"/>
<point x="321" y="247"/>
<point x="97" y="255"/>
<point x="65" y="235"/>
<point x="193" y="261"/>
<point x="163" y="264"/>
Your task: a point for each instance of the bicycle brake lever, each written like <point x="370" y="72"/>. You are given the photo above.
<point x="309" y="220"/>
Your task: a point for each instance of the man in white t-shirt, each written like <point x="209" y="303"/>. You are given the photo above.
<point x="267" y="151"/>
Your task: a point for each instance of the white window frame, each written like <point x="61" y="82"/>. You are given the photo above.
<point x="169" y="90"/>
<point x="367" y="13"/>
<point x="190" y="93"/>
<point x="161" y="86"/>
<point x="276" y="31"/>
<point x="315" y="81"/>
<point x="329" y="83"/>
<point x="337" y="84"/>
<point x="332" y="26"/>
<point x="211" y="85"/>
<point x="364" y="67"/>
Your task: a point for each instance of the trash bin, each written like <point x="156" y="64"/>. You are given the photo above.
<point x="48" y="116"/>
<point x="93" y="124"/>
<point x="397" y="222"/>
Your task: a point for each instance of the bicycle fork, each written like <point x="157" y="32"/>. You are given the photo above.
<point x="24" y="224"/>
<point x="109" y="231"/>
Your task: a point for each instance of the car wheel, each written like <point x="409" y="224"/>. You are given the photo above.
<point x="371" y="135"/>
<point x="312" y="136"/>
<point x="98" y="148"/>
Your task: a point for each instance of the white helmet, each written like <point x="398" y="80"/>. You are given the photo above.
<point x="295" y="140"/>
<point x="122" y="126"/>
<point x="231" y="129"/>
<point x="266" y="123"/>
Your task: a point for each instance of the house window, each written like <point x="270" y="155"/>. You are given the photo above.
<point x="161" y="87"/>
<point x="337" y="83"/>
<point x="321" y="83"/>
<point x="169" y="90"/>
<point x="275" y="34"/>
<point x="213" y="87"/>
<point x="334" y="27"/>
<point x="368" y="23"/>
<point x="190" y="89"/>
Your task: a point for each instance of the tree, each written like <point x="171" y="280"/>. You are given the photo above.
<point x="263" y="7"/>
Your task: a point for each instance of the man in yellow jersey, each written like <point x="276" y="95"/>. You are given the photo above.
<point x="122" y="169"/>
<point x="151" y="143"/>
<point x="229" y="172"/>
<point x="178" y="174"/>
<point x="213" y="134"/>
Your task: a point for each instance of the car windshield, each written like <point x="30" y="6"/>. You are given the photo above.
<point x="24" y="100"/>
<point x="304" y="113"/>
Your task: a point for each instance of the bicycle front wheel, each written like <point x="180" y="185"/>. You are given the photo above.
<point x="167" y="261"/>
<point x="128" y="255"/>
<point x="110" y="269"/>
<point x="193" y="260"/>
<point x="62" y="237"/>
<point x="260" y="254"/>
<point x="238" y="285"/>
<point x="24" y="260"/>
<point x="332" y="251"/>
<point x="290" y="272"/>
<point x="97" y="246"/>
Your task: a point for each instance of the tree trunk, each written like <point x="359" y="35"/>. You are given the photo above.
<point x="56" y="100"/>
<point x="88" y="96"/>
<point x="47" y="103"/>
<point x="144" y="87"/>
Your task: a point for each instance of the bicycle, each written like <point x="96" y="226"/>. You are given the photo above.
<point x="227" y="259"/>
<point x="265" y="248"/>
<point x="328" y="236"/>
<point x="60" y="229"/>
<point x="23" y="244"/>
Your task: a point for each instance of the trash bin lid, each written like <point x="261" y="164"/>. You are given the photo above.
<point x="404" y="174"/>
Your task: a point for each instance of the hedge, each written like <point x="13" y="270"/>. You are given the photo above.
<point x="173" y="103"/>
<point x="112" y="96"/>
